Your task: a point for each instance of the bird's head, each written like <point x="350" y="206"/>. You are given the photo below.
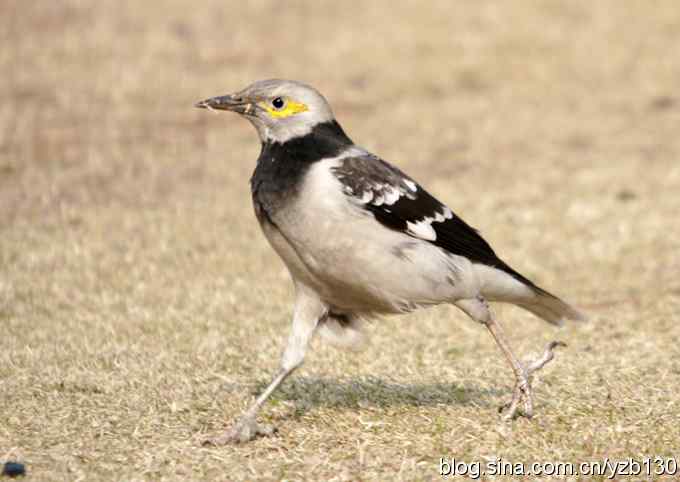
<point x="279" y="109"/>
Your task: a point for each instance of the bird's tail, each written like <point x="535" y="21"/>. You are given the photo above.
<point x="550" y="308"/>
<point x="502" y="283"/>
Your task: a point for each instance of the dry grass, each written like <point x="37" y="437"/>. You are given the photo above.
<point x="141" y="308"/>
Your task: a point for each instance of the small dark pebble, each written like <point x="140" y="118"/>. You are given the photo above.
<point x="13" y="469"/>
<point x="626" y="195"/>
<point x="663" y="102"/>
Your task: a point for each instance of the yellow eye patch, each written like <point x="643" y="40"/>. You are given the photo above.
<point x="289" y="108"/>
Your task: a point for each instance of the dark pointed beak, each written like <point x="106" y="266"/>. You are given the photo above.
<point x="233" y="103"/>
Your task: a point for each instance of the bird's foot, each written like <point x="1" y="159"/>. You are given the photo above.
<point x="244" y="430"/>
<point x="522" y="391"/>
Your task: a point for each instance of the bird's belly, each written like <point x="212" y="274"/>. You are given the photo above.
<point x="356" y="264"/>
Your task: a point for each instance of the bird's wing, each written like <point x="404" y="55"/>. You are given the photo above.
<point x="400" y="203"/>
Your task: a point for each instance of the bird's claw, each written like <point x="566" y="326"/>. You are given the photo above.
<point x="245" y="430"/>
<point x="522" y="391"/>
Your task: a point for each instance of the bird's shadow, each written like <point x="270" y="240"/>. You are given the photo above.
<point x="310" y="392"/>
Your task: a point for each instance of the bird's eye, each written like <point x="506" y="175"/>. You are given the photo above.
<point x="278" y="103"/>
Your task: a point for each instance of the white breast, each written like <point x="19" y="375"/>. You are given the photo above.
<point x="356" y="263"/>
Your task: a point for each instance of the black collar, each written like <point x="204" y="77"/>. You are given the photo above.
<point x="325" y="140"/>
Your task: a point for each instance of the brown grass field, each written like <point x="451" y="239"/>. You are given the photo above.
<point x="141" y="308"/>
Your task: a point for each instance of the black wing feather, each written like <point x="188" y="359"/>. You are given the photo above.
<point x="367" y="178"/>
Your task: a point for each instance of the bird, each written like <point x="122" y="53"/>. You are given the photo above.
<point x="362" y="239"/>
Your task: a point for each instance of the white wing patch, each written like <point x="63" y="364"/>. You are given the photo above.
<point x="391" y="195"/>
<point x="366" y="197"/>
<point x="380" y="194"/>
<point x="441" y="217"/>
<point x="423" y="229"/>
<point x="411" y="185"/>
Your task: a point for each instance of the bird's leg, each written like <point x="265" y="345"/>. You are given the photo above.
<point x="246" y="428"/>
<point x="522" y="391"/>
<point x="308" y="312"/>
<point x="478" y="309"/>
